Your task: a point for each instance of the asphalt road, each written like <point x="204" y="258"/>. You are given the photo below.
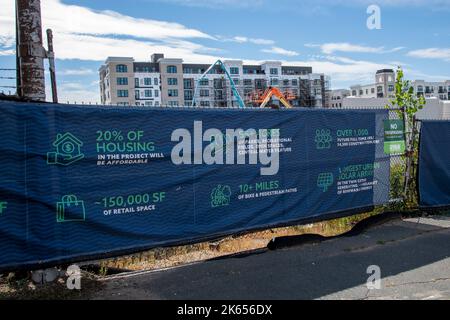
<point x="413" y="256"/>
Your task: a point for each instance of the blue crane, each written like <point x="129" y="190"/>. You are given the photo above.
<point x="233" y="87"/>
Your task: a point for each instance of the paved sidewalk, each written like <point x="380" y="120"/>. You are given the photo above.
<point x="413" y="255"/>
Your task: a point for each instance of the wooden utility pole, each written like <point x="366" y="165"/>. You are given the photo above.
<point x="30" y="51"/>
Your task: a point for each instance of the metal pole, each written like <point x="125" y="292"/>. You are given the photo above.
<point x="51" y="60"/>
<point x="31" y="52"/>
<point x="18" y="83"/>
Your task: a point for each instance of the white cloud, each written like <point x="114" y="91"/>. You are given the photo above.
<point x="81" y="20"/>
<point x="218" y="4"/>
<point x="308" y="5"/>
<point x="76" y="92"/>
<point x="431" y="53"/>
<point x="330" y="48"/>
<point x="76" y="72"/>
<point x="262" y="41"/>
<point x="281" y="51"/>
<point x="8" y="52"/>
<point x="243" y="39"/>
<point x="344" y="71"/>
<point x="82" y="33"/>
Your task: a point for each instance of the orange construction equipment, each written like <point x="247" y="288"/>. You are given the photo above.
<point x="272" y="91"/>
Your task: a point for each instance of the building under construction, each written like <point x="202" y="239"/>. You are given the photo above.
<point x="171" y="82"/>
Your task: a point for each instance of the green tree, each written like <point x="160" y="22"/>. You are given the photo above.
<point x="406" y="104"/>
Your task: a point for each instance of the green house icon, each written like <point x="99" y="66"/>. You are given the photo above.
<point x="68" y="144"/>
<point x="68" y="150"/>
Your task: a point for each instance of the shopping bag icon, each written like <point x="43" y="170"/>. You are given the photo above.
<point x="70" y="209"/>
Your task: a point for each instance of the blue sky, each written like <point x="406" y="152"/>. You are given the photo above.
<point x="331" y="36"/>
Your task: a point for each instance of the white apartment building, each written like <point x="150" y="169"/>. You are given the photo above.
<point x="439" y="90"/>
<point x="384" y="87"/>
<point x="336" y="97"/>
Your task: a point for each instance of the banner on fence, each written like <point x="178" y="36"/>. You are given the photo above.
<point x="81" y="181"/>
<point x="434" y="164"/>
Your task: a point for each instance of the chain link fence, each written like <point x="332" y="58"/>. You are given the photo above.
<point x="404" y="192"/>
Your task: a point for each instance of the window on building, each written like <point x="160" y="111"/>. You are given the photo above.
<point x="187" y="83"/>
<point x="148" y="81"/>
<point x="234" y="70"/>
<point x="367" y="91"/>
<point x="121" y="68"/>
<point x="122" y="93"/>
<point x="354" y="93"/>
<point x="188" y="95"/>
<point x="204" y="103"/>
<point x="218" y="95"/>
<point x="156" y="93"/>
<point x="204" y="93"/>
<point x="294" y="82"/>
<point x="172" y="81"/>
<point x="259" y="84"/>
<point x="188" y="70"/>
<point x="204" y="82"/>
<point x="372" y="90"/>
<point x="236" y="81"/>
<point x="379" y="89"/>
<point x="391" y="88"/>
<point x="273" y="71"/>
<point x="148" y="93"/>
<point x="219" y="83"/>
<point x="155" y="81"/>
<point x="273" y="82"/>
<point x="171" y="69"/>
<point x="173" y="103"/>
<point x="137" y="94"/>
<point x="122" y="81"/>
<point x="156" y="103"/>
<point x="361" y="92"/>
<point x="136" y="82"/>
<point x="148" y="103"/>
<point x="247" y="82"/>
<point x="285" y="82"/>
<point x="172" y="93"/>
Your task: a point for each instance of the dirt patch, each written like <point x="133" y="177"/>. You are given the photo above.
<point x="12" y="288"/>
<point x="175" y="256"/>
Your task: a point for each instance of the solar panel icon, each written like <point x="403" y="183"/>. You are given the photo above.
<point x="325" y="180"/>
